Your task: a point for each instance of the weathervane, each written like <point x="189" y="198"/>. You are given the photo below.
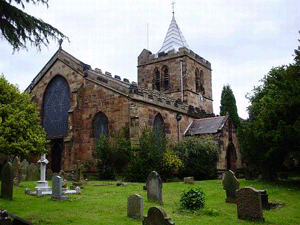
<point x="173" y="4"/>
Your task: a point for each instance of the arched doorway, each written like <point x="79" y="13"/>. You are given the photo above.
<point x="56" y="151"/>
<point x="231" y="158"/>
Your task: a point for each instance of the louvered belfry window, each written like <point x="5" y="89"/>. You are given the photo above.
<point x="55" y="108"/>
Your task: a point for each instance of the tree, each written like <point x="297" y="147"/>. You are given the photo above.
<point x="17" y="27"/>
<point x="199" y="156"/>
<point x="228" y="105"/>
<point x="20" y="131"/>
<point x="272" y="133"/>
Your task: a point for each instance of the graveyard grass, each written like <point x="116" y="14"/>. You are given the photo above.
<point x="105" y="203"/>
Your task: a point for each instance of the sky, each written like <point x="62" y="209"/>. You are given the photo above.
<point x="242" y="39"/>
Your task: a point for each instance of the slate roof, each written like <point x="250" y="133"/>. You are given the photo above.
<point x="209" y="125"/>
<point x="174" y="38"/>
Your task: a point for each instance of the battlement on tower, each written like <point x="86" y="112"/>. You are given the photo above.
<point x="146" y="57"/>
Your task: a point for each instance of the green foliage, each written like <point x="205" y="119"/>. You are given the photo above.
<point x="272" y="132"/>
<point x="228" y="105"/>
<point x="17" y="27"/>
<point x="148" y="157"/>
<point x="114" y="153"/>
<point x="20" y="131"/>
<point x="199" y="156"/>
<point x="192" y="200"/>
<point x="172" y="165"/>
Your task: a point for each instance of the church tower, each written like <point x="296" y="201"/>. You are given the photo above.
<point x="177" y="72"/>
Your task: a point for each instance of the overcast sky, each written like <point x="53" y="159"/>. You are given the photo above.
<point x="243" y="39"/>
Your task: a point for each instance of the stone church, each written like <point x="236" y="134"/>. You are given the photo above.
<point x="173" y="92"/>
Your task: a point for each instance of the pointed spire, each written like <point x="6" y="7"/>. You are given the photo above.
<point x="174" y="38"/>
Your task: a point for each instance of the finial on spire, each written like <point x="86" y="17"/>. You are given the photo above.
<point x="173" y="4"/>
<point x="60" y="41"/>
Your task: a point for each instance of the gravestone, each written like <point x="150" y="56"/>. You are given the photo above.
<point x="49" y="174"/>
<point x="7" y="177"/>
<point x="249" y="206"/>
<point x="16" y="170"/>
<point x="135" y="206"/>
<point x="154" y="187"/>
<point x="33" y="172"/>
<point x="79" y="180"/>
<point x="42" y="184"/>
<point x="23" y="170"/>
<point x="57" y="188"/>
<point x="157" y="216"/>
<point x="188" y="180"/>
<point x="230" y="185"/>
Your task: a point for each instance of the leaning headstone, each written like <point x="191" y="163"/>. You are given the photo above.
<point x="57" y="188"/>
<point x="157" y="216"/>
<point x="249" y="206"/>
<point x="23" y="170"/>
<point x="33" y="172"/>
<point x="135" y="206"/>
<point x="154" y="187"/>
<point x="188" y="180"/>
<point x="230" y="185"/>
<point x="7" y="177"/>
<point x="16" y="170"/>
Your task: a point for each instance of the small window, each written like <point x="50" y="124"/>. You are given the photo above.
<point x="158" y="124"/>
<point x="166" y="77"/>
<point x="199" y="81"/>
<point x="157" y="83"/>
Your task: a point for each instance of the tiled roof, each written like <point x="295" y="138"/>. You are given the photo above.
<point x="209" y="125"/>
<point x="174" y="38"/>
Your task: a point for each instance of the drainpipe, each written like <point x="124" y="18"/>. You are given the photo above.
<point x="178" y="118"/>
<point x="181" y="79"/>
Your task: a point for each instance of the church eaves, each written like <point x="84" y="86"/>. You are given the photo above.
<point x="174" y="38"/>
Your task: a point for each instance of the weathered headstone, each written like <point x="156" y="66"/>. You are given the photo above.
<point x="16" y="170"/>
<point x="79" y="180"/>
<point x="33" y="172"/>
<point x="248" y="202"/>
<point x="135" y="206"/>
<point x="7" y="177"/>
<point x="230" y="185"/>
<point x="154" y="187"/>
<point x="157" y="216"/>
<point x="188" y="180"/>
<point x="57" y="188"/>
<point x="23" y="170"/>
<point x="49" y="174"/>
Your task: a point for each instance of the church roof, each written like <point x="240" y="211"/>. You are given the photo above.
<point x="174" y="38"/>
<point x="209" y="125"/>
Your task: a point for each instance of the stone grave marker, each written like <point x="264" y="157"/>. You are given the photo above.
<point x="79" y="180"/>
<point x="16" y="170"/>
<point x="188" y="180"/>
<point x="42" y="184"/>
<point x="230" y="185"/>
<point x="33" y="172"/>
<point x="249" y="206"/>
<point x="57" y="188"/>
<point x="135" y="206"/>
<point x="157" y="216"/>
<point x="7" y="177"/>
<point x="23" y="170"/>
<point x="49" y="174"/>
<point x="154" y="187"/>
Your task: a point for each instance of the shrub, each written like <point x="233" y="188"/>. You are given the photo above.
<point x="172" y="165"/>
<point x="199" y="155"/>
<point x="192" y="200"/>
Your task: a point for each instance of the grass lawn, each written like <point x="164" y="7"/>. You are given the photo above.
<point x="108" y="204"/>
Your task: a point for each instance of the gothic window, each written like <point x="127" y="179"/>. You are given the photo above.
<point x="166" y="78"/>
<point x="55" y="107"/>
<point x="159" y="125"/>
<point x="157" y="82"/>
<point x="199" y="77"/>
<point x="100" y="125"/>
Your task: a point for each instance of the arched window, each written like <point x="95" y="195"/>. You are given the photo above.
<point x="158" y="124"/>
<point x="166" y="78"/>
<point x="100" y="125"/>
<point x="199" y="81"/>
<point x="157" y="82"/>
<point x="55" y="107"/>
